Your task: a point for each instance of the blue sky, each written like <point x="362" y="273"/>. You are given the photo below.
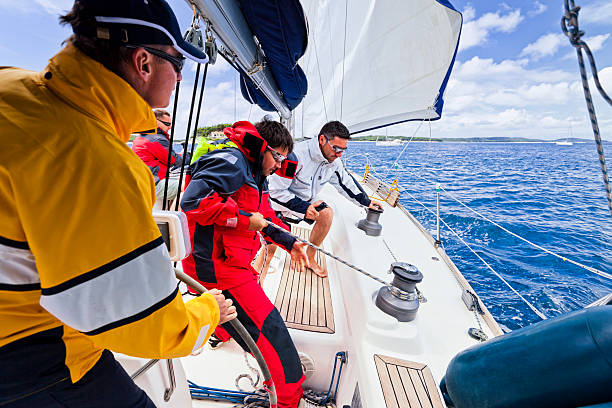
<point x="515" y="73"/>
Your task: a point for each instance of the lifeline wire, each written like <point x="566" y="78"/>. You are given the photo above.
<point x="586" y="267"/>
<point x="532" y="307"/>
<point x="574" y="34"/>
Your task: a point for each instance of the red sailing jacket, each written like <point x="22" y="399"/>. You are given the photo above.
<point x="153" y="150"/>
<point x="224" y="188"/>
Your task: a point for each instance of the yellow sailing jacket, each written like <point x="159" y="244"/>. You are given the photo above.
<point x="82" y="263"/>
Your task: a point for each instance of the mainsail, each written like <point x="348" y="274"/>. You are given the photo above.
<point x="372" y="63"/>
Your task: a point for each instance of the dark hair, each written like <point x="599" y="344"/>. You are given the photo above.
<point x="335" y="129"/>
<point x="160" y="113"/>
<point x="275" y="134"/>
<point x="109" y="53"/>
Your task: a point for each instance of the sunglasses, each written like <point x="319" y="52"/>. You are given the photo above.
<point x="279" y="158"/>
<point x="336" y="149"/>
<point x="165" y="123"/>
<point x="177" y="62"/>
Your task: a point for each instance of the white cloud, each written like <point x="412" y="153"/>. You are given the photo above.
<point x="595" y="44"/>
<point x="476" y="32"/>
<point x="54" y="7"/>
<point x="545" y="46"/>
<point x="486" y="70"/>
<point x="597" y="12"/>
<point x="539" y="8"/>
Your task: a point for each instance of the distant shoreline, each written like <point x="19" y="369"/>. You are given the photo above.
<point x="480" y="140"/>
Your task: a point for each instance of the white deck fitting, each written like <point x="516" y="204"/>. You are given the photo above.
<point x="437" y="334"/>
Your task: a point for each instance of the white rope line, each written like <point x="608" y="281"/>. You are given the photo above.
<point x="532" y="307"/>
<point x="588" y="268"/>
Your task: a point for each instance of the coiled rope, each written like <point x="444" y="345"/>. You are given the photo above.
<point x="575" y="37"/>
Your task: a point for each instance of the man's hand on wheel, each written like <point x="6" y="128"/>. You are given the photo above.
<point x="227" y="311"/>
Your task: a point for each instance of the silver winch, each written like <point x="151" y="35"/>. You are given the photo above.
<point x="400" y="299"/>
<point x="370" y="223"/>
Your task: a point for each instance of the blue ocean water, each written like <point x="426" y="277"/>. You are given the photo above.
<point x="551" y="195"/>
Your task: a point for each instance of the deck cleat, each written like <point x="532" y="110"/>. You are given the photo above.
<point x="399" y="299"/>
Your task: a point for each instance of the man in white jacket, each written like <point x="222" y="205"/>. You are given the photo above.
<point x="295" y="198"/>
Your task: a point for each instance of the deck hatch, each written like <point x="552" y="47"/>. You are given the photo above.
<point x="407" y="383"/>
<point x="303" y="299"/>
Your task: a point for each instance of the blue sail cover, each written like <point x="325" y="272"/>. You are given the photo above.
<point x="280" y="27"/>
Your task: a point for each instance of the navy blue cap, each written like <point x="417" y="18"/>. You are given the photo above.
<point x="138" y="22"/>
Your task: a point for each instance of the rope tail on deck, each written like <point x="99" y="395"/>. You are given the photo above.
<point x="244" y="335"/>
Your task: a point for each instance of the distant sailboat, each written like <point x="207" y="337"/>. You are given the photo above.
<point x="387" y="142"/>
<point x="567" y="141"/>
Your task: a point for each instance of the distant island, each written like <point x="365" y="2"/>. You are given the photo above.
<point x="500" y="139"/>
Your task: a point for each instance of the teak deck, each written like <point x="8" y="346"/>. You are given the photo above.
<point x="406" y="384"/>
<point x="303" y="298"/>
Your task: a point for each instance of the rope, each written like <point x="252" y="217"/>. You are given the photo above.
<point x="532" y="307"/>
<point x="574" y="34"/>
<point x="586" y="267"/>
<point x="244" y="335"/>
<point x="399" y="292"/>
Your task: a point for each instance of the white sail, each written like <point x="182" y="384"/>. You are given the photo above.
<point x="372" y="63"/>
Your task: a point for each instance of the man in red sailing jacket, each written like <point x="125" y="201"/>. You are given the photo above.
<point x="153" y="151"/>
<point x="227" y="203"/>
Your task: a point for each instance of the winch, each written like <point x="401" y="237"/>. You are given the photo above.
<point x="400" y="299"/>
<point x="370" y="223"/>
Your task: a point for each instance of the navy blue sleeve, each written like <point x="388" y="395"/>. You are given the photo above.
<point x="279" y="237"/>
<point x="220" y="171"/>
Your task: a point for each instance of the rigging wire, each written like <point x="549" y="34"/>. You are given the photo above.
<point x="195" y="131"/>
<point x="193" y="98"/>
<point x="176" y="97"/>
<point x="532" y="307"/>
<point x="575" y="37"/>
<point x="343" y="57"/>
<point x="586" y="267"/>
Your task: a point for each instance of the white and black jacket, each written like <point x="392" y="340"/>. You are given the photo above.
<point x="292" y="197"/>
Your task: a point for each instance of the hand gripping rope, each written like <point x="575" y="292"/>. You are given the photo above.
<point x="396" y="291"/>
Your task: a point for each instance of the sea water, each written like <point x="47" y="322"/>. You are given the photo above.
<point x="551" y="195"/>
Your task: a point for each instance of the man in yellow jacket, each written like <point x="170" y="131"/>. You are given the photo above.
<point x="83" y="268"/>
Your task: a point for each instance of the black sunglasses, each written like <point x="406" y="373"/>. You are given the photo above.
<point x="177" y="62"/>
<point x="165" y="123"/>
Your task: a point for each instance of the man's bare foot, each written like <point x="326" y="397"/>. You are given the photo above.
<point x="317" y="269"/>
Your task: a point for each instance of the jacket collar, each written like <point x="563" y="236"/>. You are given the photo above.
<point x="160" y="131"/>
<point x="89" y="87"/>
<point x="315" y="151"/>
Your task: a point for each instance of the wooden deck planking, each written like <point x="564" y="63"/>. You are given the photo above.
<point x="406" y="383"/>
<point x="303" y="298"/>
